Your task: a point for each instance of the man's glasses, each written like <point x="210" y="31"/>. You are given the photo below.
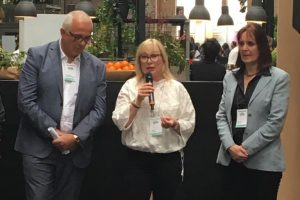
<point x="80" y="38"/>
<point x="152" y="57"/>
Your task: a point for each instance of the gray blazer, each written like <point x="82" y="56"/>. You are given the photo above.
<point x="40" y="101"/>
<point x="267" y="110"/>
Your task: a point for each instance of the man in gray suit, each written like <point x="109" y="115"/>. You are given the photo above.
<point x="61" y="86"/>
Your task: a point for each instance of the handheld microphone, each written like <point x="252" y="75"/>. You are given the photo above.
<point x="149" y="79"/>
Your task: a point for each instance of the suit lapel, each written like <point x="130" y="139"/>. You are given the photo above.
<point x="83" y="85"/>
<point x="262" y="83"/>
<point x="54" y="55"/>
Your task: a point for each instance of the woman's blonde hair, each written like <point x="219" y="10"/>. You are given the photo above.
<point x="152" y="42"/>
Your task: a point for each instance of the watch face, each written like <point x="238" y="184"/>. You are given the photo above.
<point x="76" y="138"/>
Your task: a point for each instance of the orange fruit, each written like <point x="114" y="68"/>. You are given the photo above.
<point x="118" y="65"/>
<point x="124" y="62"/>
<point x="131" y="67"/>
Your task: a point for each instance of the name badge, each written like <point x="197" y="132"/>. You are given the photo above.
<point x="155" y="127"/>
<point x="241" y="118"/>
<point x="70" y="74"/>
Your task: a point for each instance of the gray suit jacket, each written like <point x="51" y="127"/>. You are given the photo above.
<point x="267" y="110"/>
<point x="40" y="101"/>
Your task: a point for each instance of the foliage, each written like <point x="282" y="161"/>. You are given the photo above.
<point x="10" y="59"/>
<point x="174" y="50"/>
<point x="105" y="40"/>
<point x="105" y="37"/>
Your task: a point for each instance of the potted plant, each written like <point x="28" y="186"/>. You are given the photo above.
<point x="11" y="64"/>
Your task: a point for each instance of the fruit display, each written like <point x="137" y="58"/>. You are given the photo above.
<point x="119" y="70"/>
<point x="119" y="66"/>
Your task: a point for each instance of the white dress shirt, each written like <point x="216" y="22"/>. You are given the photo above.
<point x="71" y="74"/>
<point x="171" y="99"/>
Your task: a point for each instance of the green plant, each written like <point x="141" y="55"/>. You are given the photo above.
<point x="174" y="50"/>
<point x="5" y="58"/>
<point x="105" y="40"/>
<point x="105" y="36"/>
<point x="10" y="59"/>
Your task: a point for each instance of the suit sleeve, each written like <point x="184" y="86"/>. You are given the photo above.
<point x="271" y="130"/>
<point x="28" y="95"/>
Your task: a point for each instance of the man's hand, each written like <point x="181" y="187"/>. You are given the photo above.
<point x="65" y="141"/>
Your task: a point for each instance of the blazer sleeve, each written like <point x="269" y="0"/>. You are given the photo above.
<point x="28" y="95"/>
<point x="223" y="123"/>
<point x="273" y="126"/>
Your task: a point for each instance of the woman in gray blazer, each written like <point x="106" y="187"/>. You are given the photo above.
<point x="250" y="119"/>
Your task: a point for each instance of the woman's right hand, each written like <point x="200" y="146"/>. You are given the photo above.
<point x="238" y="153"/>
<point x="143" y="91"/>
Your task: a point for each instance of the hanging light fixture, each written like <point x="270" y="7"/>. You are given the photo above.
<point x="256" y="13"/>
<point x="25" y="8"/>
<point x="199" y="12"/>
<point x="225" y="19"/>
<point x="87" y="7"/>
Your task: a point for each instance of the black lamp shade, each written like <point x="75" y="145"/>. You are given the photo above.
<point x="225" y="19"/>
<point x="199" y="12"/>
<point x="25" y="9"/>
<point x="87" y="7"/>
<point x="256" y="13"/>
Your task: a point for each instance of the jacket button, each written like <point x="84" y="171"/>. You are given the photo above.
<point x="249" y="115"/>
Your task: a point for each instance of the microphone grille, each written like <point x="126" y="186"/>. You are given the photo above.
<point x="149" y="77"/>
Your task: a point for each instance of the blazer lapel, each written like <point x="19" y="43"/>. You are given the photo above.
<point x="54" y="54"/>
<point x="262" y="83"/>
<point x="231" y="87"/>
<point x="84" y="63"/>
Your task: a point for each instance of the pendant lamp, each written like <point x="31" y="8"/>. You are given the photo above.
<point x="225" y="19"/>
<point x="256" y="13"/>
<point x="87" y="7"/>
<point x="25" y="8"/>
<point x="199" y="12"/>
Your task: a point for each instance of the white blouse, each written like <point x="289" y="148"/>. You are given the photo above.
<point x="171" y="99"/>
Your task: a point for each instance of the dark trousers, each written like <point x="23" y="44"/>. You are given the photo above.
<point x="153" y="172"/>
<point x="51" y="178"/>
<point x="241" y="183"/>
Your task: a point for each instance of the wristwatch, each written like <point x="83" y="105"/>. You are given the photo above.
<point x="77" y="139"/>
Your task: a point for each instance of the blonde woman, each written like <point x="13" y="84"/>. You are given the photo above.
<point x="154" y="137"/>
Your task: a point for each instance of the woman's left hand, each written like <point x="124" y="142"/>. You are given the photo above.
<point x="168" y="122"/>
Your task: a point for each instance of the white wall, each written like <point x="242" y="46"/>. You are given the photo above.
<point x="40" y="30"/>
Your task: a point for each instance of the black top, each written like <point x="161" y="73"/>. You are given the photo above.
<point x="207" y="71"/>
<point x="241" y="100"/>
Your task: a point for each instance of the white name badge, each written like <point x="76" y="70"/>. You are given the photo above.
<point x="155" y="127"/>
<point x="241" y="118"/>
<point x="70" y="74"/>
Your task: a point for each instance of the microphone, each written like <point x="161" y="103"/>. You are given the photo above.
<point x="149" y="79"/>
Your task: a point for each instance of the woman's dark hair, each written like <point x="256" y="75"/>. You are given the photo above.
<point x="211" y="49"/>
<point x="264" y="58"/>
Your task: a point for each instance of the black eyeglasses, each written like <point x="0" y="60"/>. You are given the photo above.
<point x="80" y="38"/>
<point x="152" y="57"/>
